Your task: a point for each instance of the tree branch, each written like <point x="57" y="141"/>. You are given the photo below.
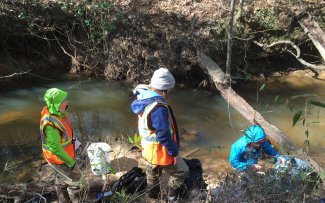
<point x="296" y="55"/>
<point x="315" y="33"/>
<point x="14" y="74"/>
<point x="74" y="61"/>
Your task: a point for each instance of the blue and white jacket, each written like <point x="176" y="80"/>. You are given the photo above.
<point x="242" y="157"/>
<point x="159" y="117"/>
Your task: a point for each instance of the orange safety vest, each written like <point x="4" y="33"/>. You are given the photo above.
<point x="153" y="151"/>
<point x="63" y="125"/>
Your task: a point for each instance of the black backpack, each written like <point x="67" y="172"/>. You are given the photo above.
<point x="134" y="181"/>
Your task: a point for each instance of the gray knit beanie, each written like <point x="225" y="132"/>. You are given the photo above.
<point x="162" y="79"/>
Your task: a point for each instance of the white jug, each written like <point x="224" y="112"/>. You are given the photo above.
<point x="98" y="154"/>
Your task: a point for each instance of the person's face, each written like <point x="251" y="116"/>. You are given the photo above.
<point x="165" y="94"/>
<point x="63" y="107"/>
<point x="254" y="145"/>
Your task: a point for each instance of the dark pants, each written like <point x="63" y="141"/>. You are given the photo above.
<point x="177" y="173"/>
<point x="66" y="183"/>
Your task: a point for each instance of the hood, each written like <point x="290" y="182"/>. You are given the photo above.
<point x="54" y="97"/>
<point x="255" y="133"/>
<point x="144" y="97"/>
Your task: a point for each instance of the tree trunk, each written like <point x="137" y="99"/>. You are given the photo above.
<point x="249" y="112"/>
<point x="315" y="33"/>
<point x="241" y="6"/>
<point x="229" y="41"/>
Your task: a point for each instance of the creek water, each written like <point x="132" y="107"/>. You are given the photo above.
<point x="100" y="110"/>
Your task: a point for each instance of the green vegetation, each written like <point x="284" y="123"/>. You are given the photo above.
<point x="305" y="117"/>
<point x="136" y="141"/>
<point x="100" y="18"/>
<point x="267" y="17"/>
<point x="122" y="197"/>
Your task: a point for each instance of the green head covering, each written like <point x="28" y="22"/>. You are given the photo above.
<point x="54" y="97"/>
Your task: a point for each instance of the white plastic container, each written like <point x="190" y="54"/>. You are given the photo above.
<point x="98" y="154"/>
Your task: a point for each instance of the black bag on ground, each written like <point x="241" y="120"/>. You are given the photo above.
<point x="134" y="181"/>
<point x="194" y="178"/>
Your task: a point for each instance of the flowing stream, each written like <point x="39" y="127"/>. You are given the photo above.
<point x="101" y="110"/>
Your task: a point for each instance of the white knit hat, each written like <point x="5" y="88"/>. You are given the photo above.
<point x="162" y="79"/>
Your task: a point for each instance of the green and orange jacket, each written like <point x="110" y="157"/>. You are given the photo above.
<point x="56" y="130"/>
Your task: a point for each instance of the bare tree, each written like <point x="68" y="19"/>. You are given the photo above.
<point x="229" y="41"/>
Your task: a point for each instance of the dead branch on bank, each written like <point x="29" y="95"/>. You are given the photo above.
<point x="75" y="64"/>
<point x="14" y="74"/>
<point x="315" y="33"/>
<point x="296" y="55"/>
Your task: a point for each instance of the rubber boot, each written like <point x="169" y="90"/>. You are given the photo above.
<point x="73" y="194"/>
<point x="62" y="194"/>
